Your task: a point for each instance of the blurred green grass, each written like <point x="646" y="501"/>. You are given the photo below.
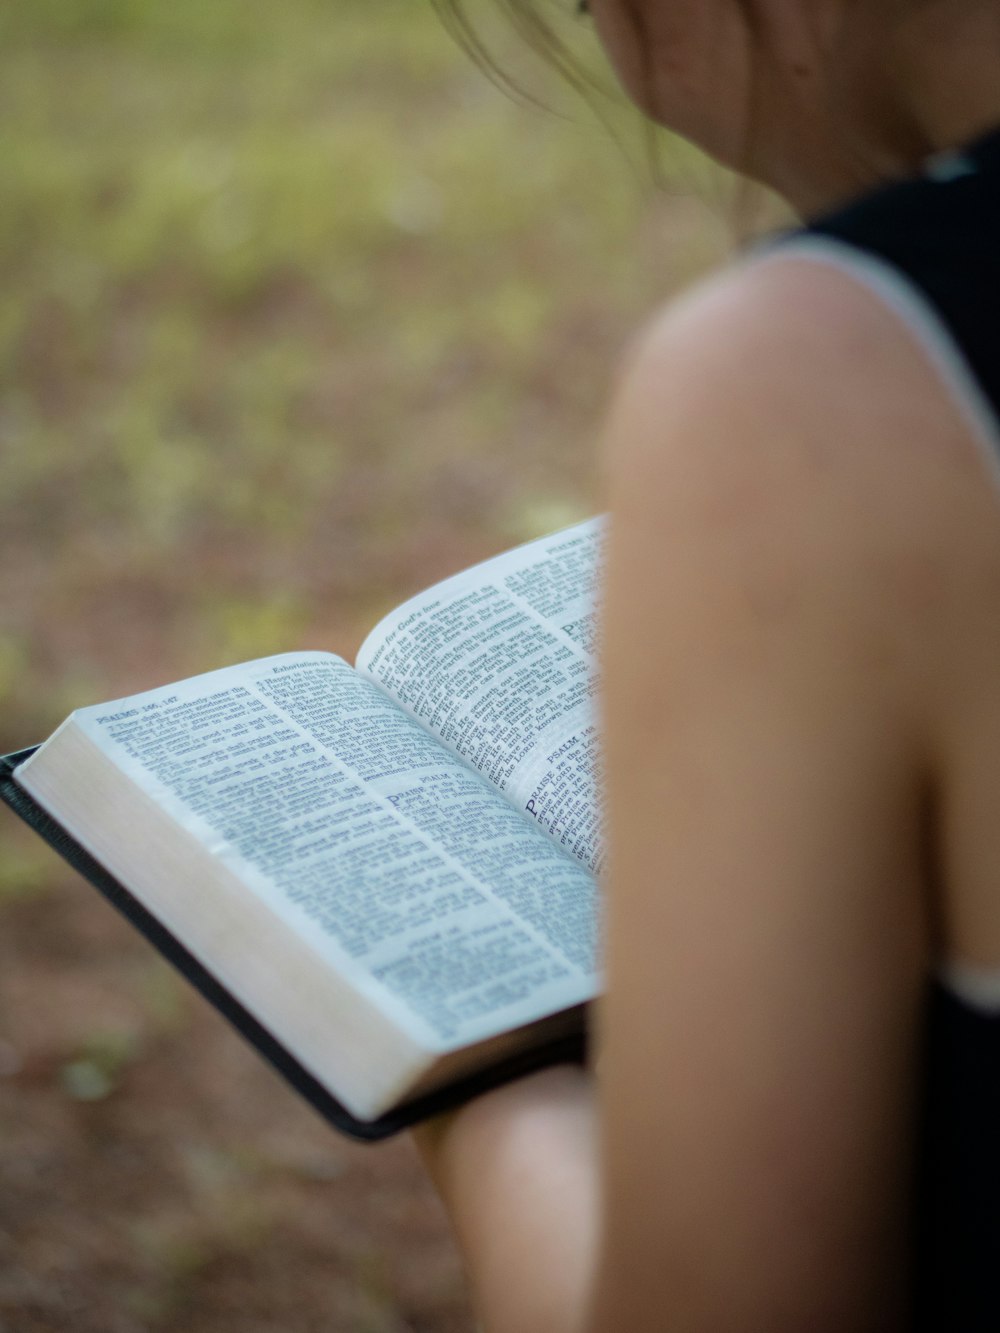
<point x="299" y="312"/>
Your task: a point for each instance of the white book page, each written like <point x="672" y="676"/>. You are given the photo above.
<point x="499" y="663"/>
<point x="400" y="868"/>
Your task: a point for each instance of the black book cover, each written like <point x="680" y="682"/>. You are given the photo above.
<point x="567" y="1049"/>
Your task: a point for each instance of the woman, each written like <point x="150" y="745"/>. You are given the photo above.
<point x="792" y="1125"/>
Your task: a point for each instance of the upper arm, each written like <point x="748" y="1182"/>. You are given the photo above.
<point x="767" y="756"/>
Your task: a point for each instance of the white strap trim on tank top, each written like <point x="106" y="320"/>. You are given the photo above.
<point x="973" y="984"/>
<point x="919" y="317"/>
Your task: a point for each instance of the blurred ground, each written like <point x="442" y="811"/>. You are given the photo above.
<point x="298" y="314"/>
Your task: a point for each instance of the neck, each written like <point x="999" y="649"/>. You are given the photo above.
<point x="949" y="72"/>
<point x="933" y="85"/>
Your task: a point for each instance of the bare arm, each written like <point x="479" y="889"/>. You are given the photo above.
<point x="766" y="702"/>
<point x="517" y="1169"/>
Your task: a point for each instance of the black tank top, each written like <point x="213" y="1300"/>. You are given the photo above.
<point x="930" y="248"/>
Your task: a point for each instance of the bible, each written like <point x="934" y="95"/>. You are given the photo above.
<point x="385" y="875"/>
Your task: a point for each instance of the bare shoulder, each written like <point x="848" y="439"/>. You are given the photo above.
<point x="785" y="342"/>
<point x="785" y="410"/>
<point x="792" y="463"/>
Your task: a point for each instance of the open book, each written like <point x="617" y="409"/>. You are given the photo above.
<point x="385" y="873"/>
